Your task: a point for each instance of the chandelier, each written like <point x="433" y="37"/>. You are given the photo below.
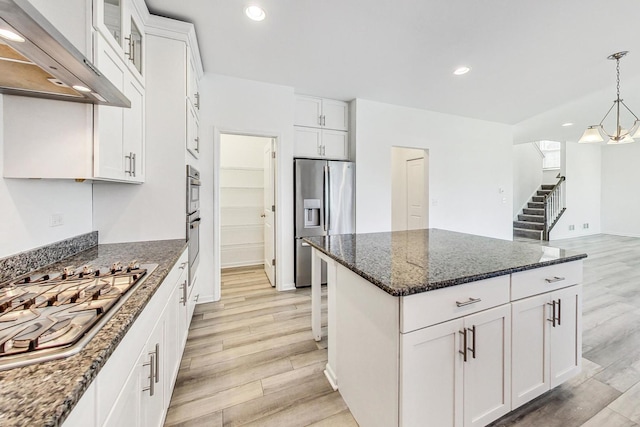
<point x="596" y="133"/>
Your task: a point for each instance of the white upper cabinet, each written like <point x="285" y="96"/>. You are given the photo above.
<point x="120" y="23"/>
<point x="193" y="89"/>
<point x="321" y="113"/>
<point x="321" y="128"/>
<point x="119" y="138"/>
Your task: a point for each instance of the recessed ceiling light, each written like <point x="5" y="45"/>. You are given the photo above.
<point x="255" y="13"/>
<point x="461" y="70"/>
<point x="567" y="124"/>
<point x="81" y="88"/>
<point x="10" y="35"/>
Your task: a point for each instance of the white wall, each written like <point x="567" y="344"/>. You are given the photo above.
<point x="399" y="157"/>
<point x="232" y="105"/>
<point x="470" y="162"/>
<point x="549" y="176"/>
<point x="27" y="206"/>
<point x="620" y="183"/>
<point x="527" y="174"/>
<point x="241" y="200"/>
<point x="582" y="191"/>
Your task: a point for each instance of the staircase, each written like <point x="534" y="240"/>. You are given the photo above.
<point x="530" y="222"/>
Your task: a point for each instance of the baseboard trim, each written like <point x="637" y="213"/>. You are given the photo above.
<point x="288" y="287"/>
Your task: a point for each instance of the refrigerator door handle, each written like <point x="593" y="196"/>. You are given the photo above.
<point x="325" y="191"/>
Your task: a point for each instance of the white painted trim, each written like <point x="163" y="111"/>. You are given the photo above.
<point x="331" y="376"/>
<point x="174" y="29"/>
<point x="279" y="221"/>
<point x="243" y="264"/>
<point x="287" y="287"/>
<point x="205" y="300"/>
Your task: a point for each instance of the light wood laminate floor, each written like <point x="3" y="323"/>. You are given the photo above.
<point x="250" y="358"/>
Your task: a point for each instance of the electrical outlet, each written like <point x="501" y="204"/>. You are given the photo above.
<point x="572" y="227"/>
<point x="56" y="220"/>
<point x="585" y="225"/>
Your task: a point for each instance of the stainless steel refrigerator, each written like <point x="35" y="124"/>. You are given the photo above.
<point x="325" y="205"/>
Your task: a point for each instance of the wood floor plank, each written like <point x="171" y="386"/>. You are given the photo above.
<point x="245" y="361"/>
<point x="213" y="403"/>
<point x="291" y="378"/>
<point x="221" y="356"/>
<point x="270" y="404"/>
<point x="304" y="413"/>
<point x="341" y="419"/>
<point x="215" y="382"/>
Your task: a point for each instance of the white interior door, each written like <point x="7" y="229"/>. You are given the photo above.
<point x="415" y="194"/>
<point x="268" y="212"/>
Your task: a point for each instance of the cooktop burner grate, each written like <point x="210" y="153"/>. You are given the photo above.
<point x="44" y="317"/>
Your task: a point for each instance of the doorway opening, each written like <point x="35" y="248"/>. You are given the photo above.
<point x="409" y="188"/>
<point x="247" y="205"/>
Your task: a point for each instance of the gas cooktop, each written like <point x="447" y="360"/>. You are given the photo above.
<point x="50" y="316"/>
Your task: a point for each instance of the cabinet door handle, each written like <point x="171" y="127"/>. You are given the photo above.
<point x="129" y="54"/>
<point x="157" y="361"/>
<point x="197" y="140"/>
<point x="471" y="301"/>
<point x="553" y="315"/>
<point x="197" y="96"/>
<point x="183" y="265"/>
<point x="472" y="349"/>
<point x="559" y="312"/>
<point x="196" y="298"/>
<point x="133" y="161"/>
<point x="183" y="299"/>
<point x="152" y="385"/>
<point x="129" y="169"/>
<point x="464" y="344"/>
<point x="554" y="279"/>
<point x="320" y="120"/>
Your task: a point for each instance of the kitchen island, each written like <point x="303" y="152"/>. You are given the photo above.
<point x="437" y="328"/>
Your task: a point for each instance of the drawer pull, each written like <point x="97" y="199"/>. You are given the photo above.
<point x="471" y="301"/>
<point x="554" y="279"/>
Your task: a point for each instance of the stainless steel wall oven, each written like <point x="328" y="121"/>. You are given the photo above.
<point x="193" y="219"/>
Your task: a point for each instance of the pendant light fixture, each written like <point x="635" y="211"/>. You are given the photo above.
<point x="596" y="133"/>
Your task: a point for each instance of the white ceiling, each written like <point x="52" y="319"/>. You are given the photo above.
<point x="528" y="57"/>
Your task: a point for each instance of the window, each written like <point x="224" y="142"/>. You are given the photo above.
<point x="551" y="151"/>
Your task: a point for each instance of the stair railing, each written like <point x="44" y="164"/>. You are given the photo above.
<point x="554" y="206"/>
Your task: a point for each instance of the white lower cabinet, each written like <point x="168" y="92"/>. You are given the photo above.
<point x="135" y="385"/>
<point x="460" y="356"/>
<point x="546" y="342"/>
<point x="469" y="360"/>
<point x="126" y="410"/>
<point x="154" y="378"/>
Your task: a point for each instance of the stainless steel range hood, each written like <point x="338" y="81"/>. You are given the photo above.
<point x="37" y="60"/>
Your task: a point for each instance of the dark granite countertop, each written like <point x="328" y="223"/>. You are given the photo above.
<point x="43" y="394"/>
<point x="409" y="262"/>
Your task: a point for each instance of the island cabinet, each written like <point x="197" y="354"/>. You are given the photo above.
<point x="546" y="329"/>
<point x="135" y="385"/>
<point x="463" y="355"/>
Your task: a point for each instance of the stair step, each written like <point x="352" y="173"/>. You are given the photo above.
<point x="533" y="211"/>
<point x="531" y="234"/>
<point x="538" y="199"/>
<point x="543" y="192"/>
<point x="547" y="186"/>
<point x="528" y="225"/>
<point x="535" y="205"/>
<point x="531" y="218"/>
